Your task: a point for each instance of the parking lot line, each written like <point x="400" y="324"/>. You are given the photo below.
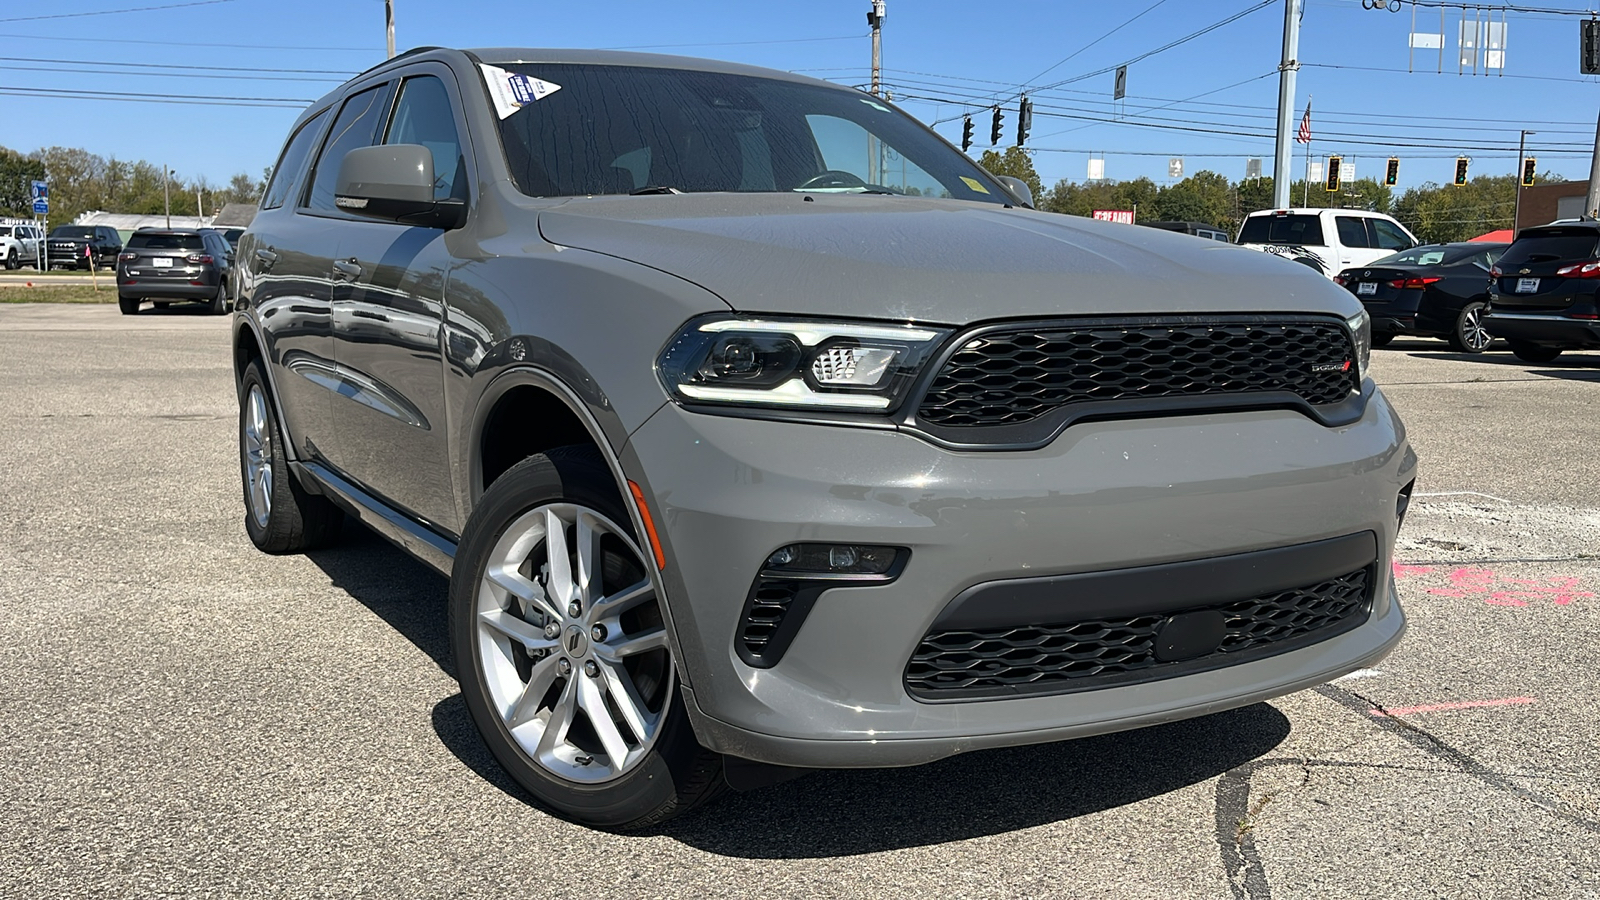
<point x="1440" y="707"/>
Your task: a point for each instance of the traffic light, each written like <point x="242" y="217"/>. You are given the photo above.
<point x="1461" y="171"/>
<point x="1334" y="162"/>
<point x="1589" y="47"/>
<point x="994" y="130"/>
<point x="1528" y="165"/>
<point x="1024" y="120"/>
<point x="966" y="133"/>
<point x="1392" y="174"/>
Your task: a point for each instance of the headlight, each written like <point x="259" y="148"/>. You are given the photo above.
<point x="1361" y="329"/>
<point x="796" y="364"/>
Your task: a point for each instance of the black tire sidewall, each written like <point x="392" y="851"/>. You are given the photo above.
<point x="1458" y="338"/>
<point x="580" y="477"/>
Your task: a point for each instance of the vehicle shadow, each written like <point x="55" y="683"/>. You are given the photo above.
<point x="1575" y="365"/>
<point x="404" y="593"/>
<point x="846" y="812"/>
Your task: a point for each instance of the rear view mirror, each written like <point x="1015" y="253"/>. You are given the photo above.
<point x="395" y="182"/>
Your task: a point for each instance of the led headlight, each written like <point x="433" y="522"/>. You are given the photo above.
<point x="796" y="364"/>
<point x="1360" y="326"/>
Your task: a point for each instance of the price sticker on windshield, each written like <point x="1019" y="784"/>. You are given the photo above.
<point x="512" y="91"/>
<point x="1527" y="285"/>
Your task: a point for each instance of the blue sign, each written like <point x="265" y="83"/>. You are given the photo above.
<point x="41" y="190"/>
<point x="41" y="207"/>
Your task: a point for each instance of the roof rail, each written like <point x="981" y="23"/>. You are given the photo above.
<point x="397" y="57"/>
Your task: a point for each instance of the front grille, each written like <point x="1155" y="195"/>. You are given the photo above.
<point x="1073" y="656"/>
<point x="1013" y="376"/>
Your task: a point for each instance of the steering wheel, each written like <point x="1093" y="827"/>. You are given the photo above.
<point x="832" y="178"/>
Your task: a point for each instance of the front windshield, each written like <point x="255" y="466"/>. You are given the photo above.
<point x="71" y="231"/>
<point x="628" y="129"/>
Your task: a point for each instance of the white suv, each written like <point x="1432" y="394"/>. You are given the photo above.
<point x="1327" y="240"/>
<point x="19" y="245"/>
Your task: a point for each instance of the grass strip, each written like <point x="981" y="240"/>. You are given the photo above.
<point x="58" y="293"/>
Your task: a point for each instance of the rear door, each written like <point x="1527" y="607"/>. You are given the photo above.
<point x="388" y="316"/>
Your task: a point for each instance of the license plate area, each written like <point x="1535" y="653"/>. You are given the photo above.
<point x="1367" y="288"/>
<point x="1527" y="285"/>
<point x="161" y="262"/>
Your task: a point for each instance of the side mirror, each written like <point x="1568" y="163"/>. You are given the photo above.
<point x="395" y="182"/>
<point x="1018" y="187"/>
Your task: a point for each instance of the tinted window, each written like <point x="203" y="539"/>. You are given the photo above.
<point x="1428" y="255"/>
<point x="1352" y="231"/>
<point x="616" y="129"/>
<point x="355" y="127"/>
<point x="144" y="240"/>
<point x="423" y="115"/>
<point x="1387" y="236"/>
<point x="72" y="231"/>
<point x="1549" y="247"/>
<point x="5" y="230"/>
<point x="1286" y="229"/>
<point x="291" y="162"/>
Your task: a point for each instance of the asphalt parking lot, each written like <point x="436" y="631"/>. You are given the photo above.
<point x="185" y="716"/>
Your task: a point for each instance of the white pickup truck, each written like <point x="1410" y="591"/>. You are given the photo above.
<point x="1328" y="240"/>
<point x="20" y="245"/>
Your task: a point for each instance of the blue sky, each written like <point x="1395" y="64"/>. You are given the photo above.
<point x="941" y="58"/>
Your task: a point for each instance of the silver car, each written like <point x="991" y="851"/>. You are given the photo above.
<point x="759" y="430"/>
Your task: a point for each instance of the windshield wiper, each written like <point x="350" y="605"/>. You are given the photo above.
<point x="655" y="189"/>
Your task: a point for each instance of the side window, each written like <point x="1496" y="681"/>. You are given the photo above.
<point x="355" y="127"/>
<point x="423" y="115"/>
<point x="291" y="162"/>
<point x="1352" y="231"/>
<point x="1389" y="237"/>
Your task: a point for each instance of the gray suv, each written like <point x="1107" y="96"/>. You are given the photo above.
<point x="757" y="429"/>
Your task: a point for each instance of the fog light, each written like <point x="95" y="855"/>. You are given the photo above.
<point x="832" y="559"/>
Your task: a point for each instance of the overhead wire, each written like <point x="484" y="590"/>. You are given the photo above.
<point x="113" y="12"/>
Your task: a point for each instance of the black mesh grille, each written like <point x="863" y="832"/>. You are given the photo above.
<point x="1081" y="655"/>
<point x="769" y="602"/>
<point x="1009" y="377"/>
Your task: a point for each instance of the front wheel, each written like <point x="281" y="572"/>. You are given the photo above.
<point x="561" y="648"/>
<point x="13" y="261"/>
<point x="1533" y="353"/>
<point x="1469" y="335"/>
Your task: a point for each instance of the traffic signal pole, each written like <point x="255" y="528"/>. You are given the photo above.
<point x="1292" y="10"/>
<point x="1592" y="202"/>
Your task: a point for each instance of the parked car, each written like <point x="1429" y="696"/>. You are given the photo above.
<point x="1437" y="290"/>
<point x="1542" y="296"/>
<point x="746" y="454"/>
<point x="1198" y="229"/>
<point x="19" y="245"/>
<point x="174" y="264"/>
<point x="1327" y="240"/>
<point x="79" y="246"/>
<point x="232" y="235"/>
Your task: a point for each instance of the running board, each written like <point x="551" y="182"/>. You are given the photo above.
<point x="413" y="537"/>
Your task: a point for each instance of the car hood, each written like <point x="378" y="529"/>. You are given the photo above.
<point x="930" y="260"/>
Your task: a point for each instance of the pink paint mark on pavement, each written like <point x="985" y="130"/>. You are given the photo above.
<point x="1498" y="591"/>
<point x="1401" y="570"/>
<point x="1441" y="707"/>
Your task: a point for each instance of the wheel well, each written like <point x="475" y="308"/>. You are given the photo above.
<point x="245" y="349"/>
<point x="525" y="421"/>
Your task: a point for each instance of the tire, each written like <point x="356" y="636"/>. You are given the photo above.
<point x="1533" y="353"/>
<point x="13" y="261"/>
<point x="219" y="304"/>
<point x="508" y="633"/>
<point x="1468" y="335"/>
<point x="1381" y="339"/>
<point x="280" y="516"/>
<point x="128" y="305"/>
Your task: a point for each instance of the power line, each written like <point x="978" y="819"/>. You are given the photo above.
<point x="112" y="12"/>
<point x="202" y="99"/>
<point x="816" y="40"/>
<point x="1409" y="72"/>
<point x="1167" y="46"/>
<point x="1097" y="40"/>
<point x="96" y="62"/>
<point x="209" y="76"/>
<point x="168" y="44"/>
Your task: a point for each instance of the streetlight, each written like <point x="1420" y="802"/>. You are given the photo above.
<point x="1516" y="208"/>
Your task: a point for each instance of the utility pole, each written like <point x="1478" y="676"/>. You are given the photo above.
<point x="199" y="208"/>
<point x="166" y="191"/>
<point x="1593" y="201"/>
<point x="1292" y="10"/>
<point x="388" y="20"/>
<point x="1516" y="208"/>
<point x="875" y="19"/>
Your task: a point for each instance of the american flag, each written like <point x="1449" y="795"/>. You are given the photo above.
<point x="1303" y="136"/>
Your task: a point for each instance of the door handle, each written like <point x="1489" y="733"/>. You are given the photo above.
<point x="266" y="258"/>
<point x="347" y="267"/>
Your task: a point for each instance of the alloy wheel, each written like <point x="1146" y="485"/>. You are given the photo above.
<point x="1473" y="334"/>
<point x="572" y="644"/>
<point x="258" y="455"/>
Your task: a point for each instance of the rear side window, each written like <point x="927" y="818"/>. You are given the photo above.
<point x="355" y="127"/>
<point x="143" y="241"/>
<point x="423" y="115"/>
<point x="1303" y="230"/>
<point x="1550" y="247"/>
<point x="1352" y="231"/>
<point x="1387" y="235"/>
<point x="291" y="162"/>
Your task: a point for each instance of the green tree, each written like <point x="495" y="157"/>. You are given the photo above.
<point x="1202" y="197"/>
<point x="1017" y="163"/>
<point x="17" y="174"/>
<point x="1438" y="214"/>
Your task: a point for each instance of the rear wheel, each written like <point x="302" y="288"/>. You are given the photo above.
<point x="219" y="303"/>
<point x="280" y="516"/>
<point x="128" y="305"/>
<point x="1381" y="339"/>
<point x="562" y="651"/>
<point x="1469" y="335"/>
<point x="1533" y="353"/>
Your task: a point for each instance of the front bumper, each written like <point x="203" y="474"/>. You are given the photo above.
<point x="1551" y="330"/>
<point x="727" y="492"/>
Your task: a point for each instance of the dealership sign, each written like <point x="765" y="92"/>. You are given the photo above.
<point x="1124" y="216"/>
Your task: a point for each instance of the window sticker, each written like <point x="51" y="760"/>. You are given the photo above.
<point x="512" y="92"/>
<point x="975" y="184"/>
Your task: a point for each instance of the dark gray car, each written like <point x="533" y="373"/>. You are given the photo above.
<point x="758" y="429"/>
<point x="174" y="264"/>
